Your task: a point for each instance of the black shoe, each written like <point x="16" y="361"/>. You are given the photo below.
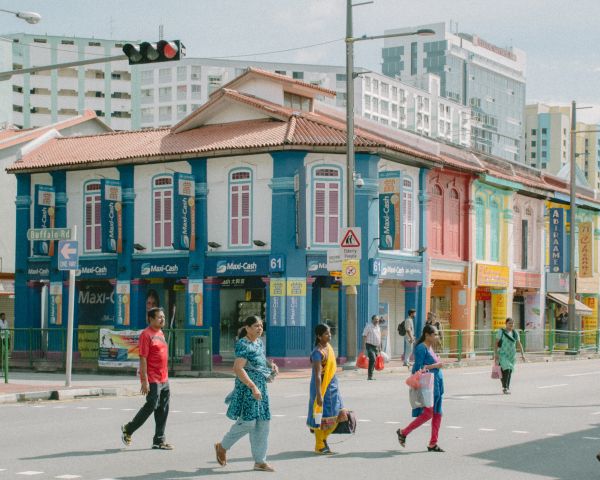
<point x="371" y="378"/>
<point x="435" y="448"/>
<point x="401" y="438"/>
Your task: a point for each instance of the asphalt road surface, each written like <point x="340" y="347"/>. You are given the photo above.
<point x="547" y="429"/>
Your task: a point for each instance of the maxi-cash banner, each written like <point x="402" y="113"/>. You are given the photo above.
<point x="111" y="212"/>
<point x="389" y="210"/>
<point x="557" y="240"/>
<point x="43" y="216"/>
<point x="184" y="226"/>
<point x="119" y="348"/>
<point x="195" y="291"/>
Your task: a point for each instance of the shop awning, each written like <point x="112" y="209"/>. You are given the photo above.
<point x="563" y="299"/>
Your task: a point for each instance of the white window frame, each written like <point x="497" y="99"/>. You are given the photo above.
<point x="407" y="220"/>
<point x="237" y="186"/>
<point x="92" y="196"/>
<point x="331" y="178"/>
<point x="162" y="189"/>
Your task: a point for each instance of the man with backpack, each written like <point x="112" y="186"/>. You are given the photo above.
<point x="406" y="329"/>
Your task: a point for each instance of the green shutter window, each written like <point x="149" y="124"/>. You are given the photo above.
<point x="494" y="232"/>
<point x="480" y="228"/>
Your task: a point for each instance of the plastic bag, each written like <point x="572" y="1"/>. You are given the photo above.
<point x="413" y="380"/>
<point x="362" y="361"/>
<point x="386" y="357"/>
<point x="415" y="396"/>
<point x="426" y="381"/>
<point x="379" y="362"/>
<point x="496" y="374"/>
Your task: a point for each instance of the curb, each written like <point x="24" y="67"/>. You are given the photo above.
<point x="65" y="394"/>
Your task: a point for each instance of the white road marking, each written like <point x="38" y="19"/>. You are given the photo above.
<point x="199" y="412"/>
<point x="128" y="409"/>
<point x="175" y="411"/>
<point x="279" y="415"/>
<point x="221" y="413"/>
<point x="455" y="427"/>
<point x="105" y="408"/>
<point x="82" y="408"/>
<point x="29" y="472"/>
<point x="364" y="420"/>
<point x="392" y="423"/>
<point x="487" y="429"/>
<point x="553" y="434"/>
<point x="38" y="406"/>
<point x="596" y="413"/>
<point x="465" y="397"/>
<point x="68" y="476"/>
<point x="554" y="386"/>
<point x="581" y="374"/>
<point x="59" y="407"/>
<point x="302" y="416"/>
<point x="519" y="431"/>
<point x="2" y="469"/>
<point x="591" y="438"/>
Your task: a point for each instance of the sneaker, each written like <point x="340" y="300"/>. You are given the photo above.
<point x="263" y="467"/>
<point x="125" y="437"/>
<point x="162" y="446"/>
<point x="324" y="451"/>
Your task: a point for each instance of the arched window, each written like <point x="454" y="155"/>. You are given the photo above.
<point x="480" y="228"/>
<point x="408" y="214"/>
<point x="437" y="218"/>
<point x="162" y="212"/>
<point x="326" y="205"/>
<point x="92" y="218"/>
<point x="494" y="231"/>
<point x="452" y="244"/>
<point x="240" y="207"/>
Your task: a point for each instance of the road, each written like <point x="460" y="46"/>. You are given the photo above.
<point x="547" y="429"/>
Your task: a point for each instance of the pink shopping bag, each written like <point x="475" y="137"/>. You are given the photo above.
<point x="496" y="371"/>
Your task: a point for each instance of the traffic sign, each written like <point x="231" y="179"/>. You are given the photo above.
<point x="350" y="272"/>
<point x="334" y="259"/>
<point x="68" y="256"/>
<point x="49" y="234"/>
<point x="350" y="237"/>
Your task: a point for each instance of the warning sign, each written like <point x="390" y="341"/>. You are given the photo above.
<point x="350" y="237"/>
<point x="350" y="272"/>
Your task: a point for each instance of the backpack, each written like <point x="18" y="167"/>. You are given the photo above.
<point x="402" y="328"/>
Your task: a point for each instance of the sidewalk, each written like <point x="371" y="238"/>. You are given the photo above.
<point x="36" y="386"/>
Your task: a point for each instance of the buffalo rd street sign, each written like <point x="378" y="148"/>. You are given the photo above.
<point x="68" y="256"/>
<point x="44" y="234"/>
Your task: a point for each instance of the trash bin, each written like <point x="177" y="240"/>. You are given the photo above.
<point x="201" y="353"/>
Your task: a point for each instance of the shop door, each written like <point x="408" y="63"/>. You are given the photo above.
<point x="329" y="313"/>
<point x="518" y="312"/>
<point x="393" y="295"/>
<point x="483" y="326"/>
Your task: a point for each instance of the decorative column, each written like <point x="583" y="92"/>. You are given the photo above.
<point x="422" y="305"/>
<point x="23" y="314"/>
<point x="59" y="287"/>
<point x="124" y="300"/>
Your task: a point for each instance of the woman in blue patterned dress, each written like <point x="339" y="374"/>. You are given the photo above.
<point x="249" y="405"/>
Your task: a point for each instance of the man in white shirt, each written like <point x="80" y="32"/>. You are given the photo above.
<point x="409" y="338"/>
<point x="3" y="329"/>
<point x="371" y="343"/>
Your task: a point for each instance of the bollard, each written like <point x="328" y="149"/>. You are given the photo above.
<point x="5" y="357"/>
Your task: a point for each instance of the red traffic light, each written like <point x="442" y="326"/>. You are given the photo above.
<point x="147" y="52"/>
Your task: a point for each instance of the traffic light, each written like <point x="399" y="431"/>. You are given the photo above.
<point x="146" y="52"/>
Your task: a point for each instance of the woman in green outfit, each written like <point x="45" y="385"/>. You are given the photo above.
<point x="507" y="341"/>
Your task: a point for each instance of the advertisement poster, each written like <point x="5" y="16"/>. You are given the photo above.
<point x="184" y="210"/>
<point x="95" y="303"/>
<point x="195" y="302"/>
<point x="119" y="348"/>
<point x="55" y="304"/>
<point x="87" y="341"/>
<point x="534" y="322"/>
<point x="111" y="213"/>
<point x="498" y="309"/>
<point x="123" y="304"/>
<point x="389" y="210"/>
<point x="296" y="302"/>
<point x="350" y="272"/>
<point x="43" y="216"/>
<point x="557" y="240"/>
<point x="585" y="250"/>
<point x="277" y="290"/>
<point x="590" y="324"/>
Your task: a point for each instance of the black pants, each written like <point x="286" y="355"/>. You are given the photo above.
<point x="372" y="354"/>
<point x="157" y="402"/>
<point x="506" y="378"/>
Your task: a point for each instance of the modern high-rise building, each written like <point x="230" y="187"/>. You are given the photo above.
<point x="473" y="72"/>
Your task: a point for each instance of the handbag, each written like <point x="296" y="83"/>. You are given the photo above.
<point x="496" y="371"/>
<point x="347" y="426"/>
<point x="362" y="361"/>
<point x="379" y="362"/>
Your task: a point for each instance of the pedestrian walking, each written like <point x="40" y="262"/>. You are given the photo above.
<point x="154" y="378"/>
<point x="409" y="337"/>
<point x="426" y="359"/>
<point x="325" y="403"/>
<point x="371" y="343"/>
<point x="433" y="320"/>
<point x="249" y="401"/>
<point x="505" y="352"/>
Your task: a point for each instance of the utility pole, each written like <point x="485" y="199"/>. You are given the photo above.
<point x="572" y="322"/>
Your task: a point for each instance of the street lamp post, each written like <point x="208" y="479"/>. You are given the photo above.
<point x="351" y="291"/>
<point x="29" y="17"/>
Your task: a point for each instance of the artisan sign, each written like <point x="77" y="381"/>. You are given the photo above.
<point x="557" y="240"/>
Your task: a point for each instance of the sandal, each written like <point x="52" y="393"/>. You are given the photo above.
<point x="435" y="448"/>
<point x="221" y="454"/>
<point x="263" y="467"/>
<point x="401" y="438"/>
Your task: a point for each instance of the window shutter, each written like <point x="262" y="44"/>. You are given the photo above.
<point x="454" y="224"/>
<point x="320" y="213"/>
<point x="167" y="218"/>
<point x="157" y="220"/>
<point x="234" y="214"/>
<point x="88" y="224"/>
<point x="245" y="214"/>
<point x="97" y="223"/>
<point x="334" y="214"/>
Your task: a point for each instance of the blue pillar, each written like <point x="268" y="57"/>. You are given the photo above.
<point x="59" y="181"/>
<point x="124" y="264"/>
<point x="23" y="313"/>
<point x="412" y="300"/>
<point x="423" y="242"/>
<point x="288" y="341"/>
<point x="367" y="213"/>
<point x="212" y="310"/>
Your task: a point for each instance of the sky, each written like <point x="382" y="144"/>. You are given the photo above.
<point x="560" y="38"/>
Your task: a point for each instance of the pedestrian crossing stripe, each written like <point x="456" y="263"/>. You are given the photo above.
<point x="350" y="240"/>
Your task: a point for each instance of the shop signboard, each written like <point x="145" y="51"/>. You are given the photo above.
<point x="585" y="250"/>
<point x="277" y="294"/>
<point x="492" y="276"/>
<point x="184" y="212"/>
<point x="160" y="268"/>
<point x="195" y="302"/>
<point x="296" y="302"/>
<point x="396" y="269"/>
<point x="96" y="269"/>
<point x="499" y="304"/>
<point x="557" y="240"/>
<point x="557" y="282"/>
<point x="534" y="321"/>
<point x="87" y="341"/>
<point x="527" y="280"/>
<point x="111" y="213"/>
<point x="119" y="348"/>
<point x="95" y="303"/>
<point x="123" y="305"/>
<point x="237" y="266"/>
<point x="38" y="270"/>
<point x="590" y="323"/>
<point x="389" y="210"/>
<point x="43" y="216"/>
<point x="317" y="266"/>
<point x="55" y="303"/>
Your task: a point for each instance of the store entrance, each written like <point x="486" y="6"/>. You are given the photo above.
<point x="329" y="303"/>
<point x="483" y="324"/>
<point x="169" y="293"/>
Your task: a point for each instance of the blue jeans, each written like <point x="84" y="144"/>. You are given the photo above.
<point x="259" y="437"/>
<point x="157" y="402"/>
